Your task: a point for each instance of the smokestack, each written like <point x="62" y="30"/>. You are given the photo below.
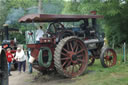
<point x="6" y="31"/>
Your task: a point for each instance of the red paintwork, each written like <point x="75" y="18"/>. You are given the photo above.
<point x="54" y="18"/>
<point x="35" y="48"/>
<point x="70" y="61"/>
<point x="31" y="33"/>
<point x="46" y="40"/>
<point x="107" y="57"/>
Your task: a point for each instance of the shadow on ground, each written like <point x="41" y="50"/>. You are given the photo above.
<point x="51" y="78"/>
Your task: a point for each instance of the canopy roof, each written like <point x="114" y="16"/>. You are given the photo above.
<point x="54" y="18"/>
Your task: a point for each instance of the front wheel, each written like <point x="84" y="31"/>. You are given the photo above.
<point x="108" y="57"/>
<point x="3" y="68"/>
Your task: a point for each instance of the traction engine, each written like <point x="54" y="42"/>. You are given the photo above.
<point x="67" y="49"/>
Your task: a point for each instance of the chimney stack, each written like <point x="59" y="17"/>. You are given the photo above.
<point x="6" y="31"/>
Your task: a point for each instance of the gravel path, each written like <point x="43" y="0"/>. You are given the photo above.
<point x="29" y="79"/>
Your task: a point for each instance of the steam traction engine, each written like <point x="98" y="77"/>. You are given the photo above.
<point x="7" y="43"/>
<point x="68" y="48"/>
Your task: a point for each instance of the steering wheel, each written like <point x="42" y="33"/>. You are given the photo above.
<point x="54" y="27"/>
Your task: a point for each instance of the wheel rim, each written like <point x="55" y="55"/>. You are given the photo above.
<point x="3" y="68"/>
<point x="110" y="58"/>
<point x="74" y="57"/>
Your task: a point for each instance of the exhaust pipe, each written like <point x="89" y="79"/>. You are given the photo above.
<point x="6" y="31"/>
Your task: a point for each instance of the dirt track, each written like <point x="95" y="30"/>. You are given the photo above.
<point x="30" y="79"/>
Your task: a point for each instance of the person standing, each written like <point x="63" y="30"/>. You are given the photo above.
<point x="21" y="58"/>
<point x="39" y="34"/>
<point x="30" y="65"/>
<point x="9" y="59"/>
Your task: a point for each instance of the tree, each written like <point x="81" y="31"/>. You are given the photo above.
<point x="115" y="16"/>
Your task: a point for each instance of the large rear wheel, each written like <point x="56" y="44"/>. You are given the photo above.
<point x="71" y="57"/>
<point x="3" y="68"/>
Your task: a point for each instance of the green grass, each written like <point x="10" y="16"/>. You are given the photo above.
<point x="97" y="75"/>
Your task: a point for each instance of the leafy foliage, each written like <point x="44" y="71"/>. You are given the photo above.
<point x="12" y="10"/>
<point x="20" y="37"/>
<point x="115" y="13"/>
<point x="115" y="16"/>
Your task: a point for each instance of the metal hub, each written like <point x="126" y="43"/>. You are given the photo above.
<point x="74" y="57"/>
<point x="110" y="57"/>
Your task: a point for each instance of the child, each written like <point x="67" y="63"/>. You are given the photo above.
<point x="9" y="59"/>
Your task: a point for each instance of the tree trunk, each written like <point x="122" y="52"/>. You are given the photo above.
<point x="40" y="6"/>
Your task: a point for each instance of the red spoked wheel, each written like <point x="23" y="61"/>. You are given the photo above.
<point x="71" y="57"/>
<point x="108" y="57"/>
<point x="91" y="60"/>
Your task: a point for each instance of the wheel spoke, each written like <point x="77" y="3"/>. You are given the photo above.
<point x="76" y="48"/>
<point x="75" y="44"/>
<point x="65" y="50"/>
<point x="80" y="60"/>
<point x="64" y="54"/>
<point x="64" y="63"/>
<point x="105" y="61"/>
<point x="109" y="53"/>
<point x="71" y="46"/>
<point x="110" y="62"/>
<point x="105" y="57"/>
<point x="68" y="63"/>
<point x="68" y="47"/>
<point x="79" y="56"/>
<point x="80" y="51"/>
<point x="66" y="58"/>
<point x="106" y="54"/>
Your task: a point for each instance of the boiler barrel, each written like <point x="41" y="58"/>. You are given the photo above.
<point x="6" y="32"/>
